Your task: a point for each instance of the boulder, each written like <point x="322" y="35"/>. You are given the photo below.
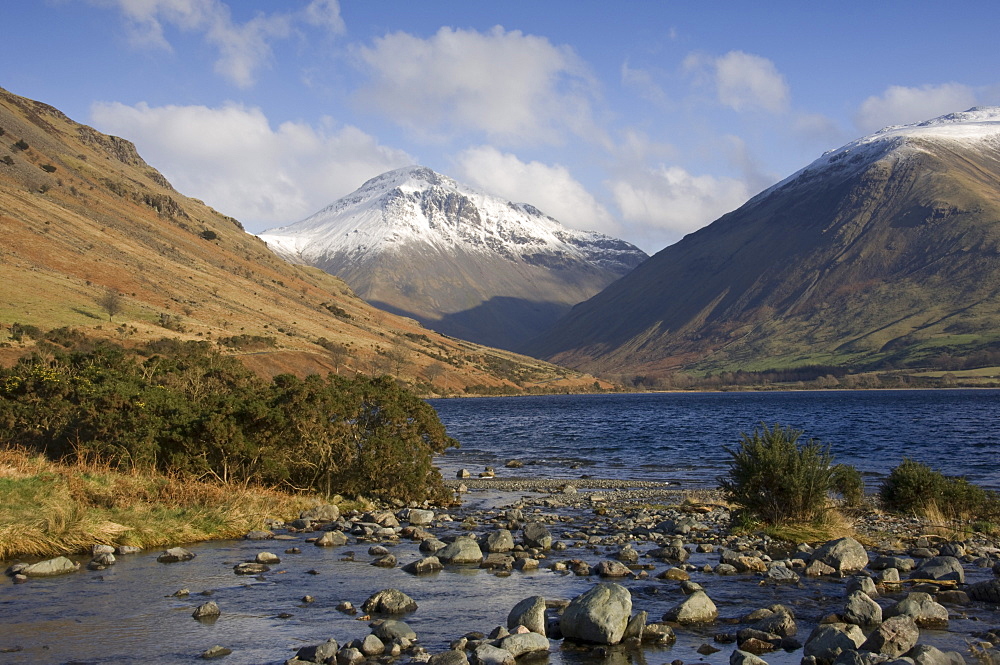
<point x="350" y="656"/>
<point x="988" y="591"/>
<point x="268" y="558"/>
<point x="389" y="601"/>
<point x="740" y="657"/>
<point x="420" y="517"/>
<point x="50" y="568"/>
<point x="536" y="535"/>
<point x="209" y="610"/>
<point x="843" y="555"/>
<point x="922" y="608"/>
<point x="861" y="610"/>
<point x="465" y="549"/>
<point x="323" y="513"/>
<point x="598" y="616"/>
<point x="529" y="613"/>
<point x="450" y="657"/>
<point x="611" y="568"/>
<point x="318" y="653"/>
<point x="259" y="535"/>
<point x="371" y="645"/>
<point x="430" y="564"/>
<point x="331" y="539"/>
<point x="385" y="561"/>
<point x="175" y="554"/>
<point x="636" y="626"/>
<point x="894" y="637"/>
<point x="501" y="540"/>
<point x="432" y="545"/>
<point x="925" y="654"/>
<point x="779" y="623"/>
<point x="519" y="644"/>
<point x="218" y="651"/>
<point x="670" y="553"/>
<point x="940" y="568"/>
<point x="829" y="640"/>
<point x="487" y="654"/>
<point x="250" y="568"/>
<point x="902" y="564"/>
<point x="862" y="583"/>
<point x="696" y="608"/>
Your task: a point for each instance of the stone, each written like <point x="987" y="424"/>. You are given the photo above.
<point x="598" y="616"/>
<point x="675" y="574"/>
<point x="842" y="554"/>
<point x="894" y="637"/>
<point x="322" y="513"/>
<point x="779" y="623"/>
<point x="465" y="549"/>
<point x="209" y="610"/>
<point x="670" y="553"/>
<point x="331" y="539"/>
<point x="526" y="563"/>
<point x="696" y="608"/>
<point x="861" y="610"/>
<point x="740" y="657"/>
<point x="463" y="473"/>
<point x="940" y="568"/>
<point x="902" y="564"/>
<point x="371" y="645"/>
<point x="250" y="568"/>
<point x="391" y="630"/>
<point x="450" y="657"/>
<point x="627" y="555"/>
<point x="487" y="654"/>
<point x="501" y="540"/>
<point x="102" y="561"/>
<point x="988" y="591"/>
<point x="523" y="643"/>
<point x="259" y="535"/>
<point x="818" y="568"/>
<point x="922" y="608"/>
<point x="889" y="576"/>
<point x="268" y="558"/>
<point x="318" y="653"/>
<point x="529" y="613"/>
<point x="829" y="640"/>
<point x="611" y="568"/>
<point x="386" y="561"/>
<point x="48" y="568"/>
<point x="419" y="517"/>
<point x="127" y="549"/>
<point x="101" y="549"/>
<point x="636" y="626"/>
<point x="175" y="554"/>
<point x="862" y="583"/>
<point x="389" y="601"/>
<point x="215" y="652"/>
<point x="536" y="535"/>
<point x="350" y="656"/>
<point x="430" y="564"/>
<point x="779" y="574"/>
<point x="432" y="545"/>
<point x="925" y="654"/>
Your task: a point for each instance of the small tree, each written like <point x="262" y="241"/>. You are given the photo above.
<point x="112" y="302"/>
<point x="338" y="354"/>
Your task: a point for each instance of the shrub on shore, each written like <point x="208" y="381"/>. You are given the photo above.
<point x="774" y="478"/>
<point x="916" y="489"/>
<point x="183" y="408"/>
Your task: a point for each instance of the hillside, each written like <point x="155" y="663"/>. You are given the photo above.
<point x="884" y="253"/>
<point x="462" y="262"/>
<point x="82" y="215"/>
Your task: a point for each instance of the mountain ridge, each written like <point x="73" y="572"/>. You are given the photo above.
<point x="462" y="262"/>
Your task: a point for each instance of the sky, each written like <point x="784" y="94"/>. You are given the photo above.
<point x="643" y="120"/>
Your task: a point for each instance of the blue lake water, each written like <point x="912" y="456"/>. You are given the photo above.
<point x="682" y="437"/>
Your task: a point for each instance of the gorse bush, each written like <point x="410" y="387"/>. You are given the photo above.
<point x="184" y="408"/>
<point x="778" y="480"/>
<point x="916" y="489"/>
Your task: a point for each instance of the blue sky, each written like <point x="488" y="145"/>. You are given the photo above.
<point x="645" y="120"/>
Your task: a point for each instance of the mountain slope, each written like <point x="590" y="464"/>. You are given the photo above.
<point x="81" y="214"/>
<point x="467" y="264"/>
<point x="886" y="250"/>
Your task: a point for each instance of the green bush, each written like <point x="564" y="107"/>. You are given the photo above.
<point x="847" y="482"/>
<point x="916" y="489"/>
<point x="774" y="478"/>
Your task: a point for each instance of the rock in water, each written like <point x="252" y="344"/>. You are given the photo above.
<point x="696" y="608"/>
<point x="389" y="601"/>
<point x="843" y="555"/>
<point x="175" y="554"/>
<point x="894" y="637"/>
<point x="209" y="610"/>
<point x="50" y="568"/>
<point x="536" y="535"/>
<point x="529" y="613"/>
<point x="598" y="616"/>
<point x="465" y="549"/>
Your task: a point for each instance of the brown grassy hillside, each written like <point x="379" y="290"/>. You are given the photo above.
<point x="81" y="215"/>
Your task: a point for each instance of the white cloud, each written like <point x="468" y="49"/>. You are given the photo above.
<point x="900" y="105"/>
<point x="551" y="189"/>
<point x="242" y="48"/>
<point x="673" y="201"/>
<point x="514" y="88"/>
<point x="233" y="159"/>
<point x="743" y="81"/>
<point x="643" y="82"/>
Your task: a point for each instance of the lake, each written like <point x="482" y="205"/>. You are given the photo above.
<point x="681" y="437"/>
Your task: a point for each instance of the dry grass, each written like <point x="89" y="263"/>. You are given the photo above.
<point x="48" y="508"/>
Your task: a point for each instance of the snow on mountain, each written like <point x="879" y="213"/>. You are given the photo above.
<point x="461" y="261"/>
<point x="980" y="124"/>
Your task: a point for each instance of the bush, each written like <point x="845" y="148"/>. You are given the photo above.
<point x="916" y="489"/>
<point x="774" y="478"/>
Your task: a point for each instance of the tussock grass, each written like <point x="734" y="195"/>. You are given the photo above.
<point x="47" y="508"/>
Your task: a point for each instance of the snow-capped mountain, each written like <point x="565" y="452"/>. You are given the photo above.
<point x="884" y="251"/>
<point x="460" y="261"/>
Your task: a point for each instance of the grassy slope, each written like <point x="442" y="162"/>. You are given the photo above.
<point x="97" y="217"/>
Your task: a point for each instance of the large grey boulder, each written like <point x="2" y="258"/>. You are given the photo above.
<point x="390" y="630"/>
<point x="843" y="555"/>
<point x="429" y="564"/>
<point x="324" y="513"/>
<point x="175" y="554"/>
<point x="925" y="654"/>
<point x="739" y="657"/>
<point x="521" y="643"/>
<point x="419" y="517"/>
<point x="829" y="640"/>
<point x="50" y="568"/>
<point x="536" y="535"/>
<point x="331" y="539"/>
<point x="598" y="616"/>
<point x="861" y="610"/>
<point x="318" y="653"/>
<point x="696" y="608"/>
<point x="529" y="613"/>
<point x="501" y="540"/>
<point x="894" y="637"/>
<point x="465" y="549"/>
<point x="922" y="608"/>
<point x="389" y="601"/>
<point x="940" y="568"/>
<point x="487" y="654"/>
